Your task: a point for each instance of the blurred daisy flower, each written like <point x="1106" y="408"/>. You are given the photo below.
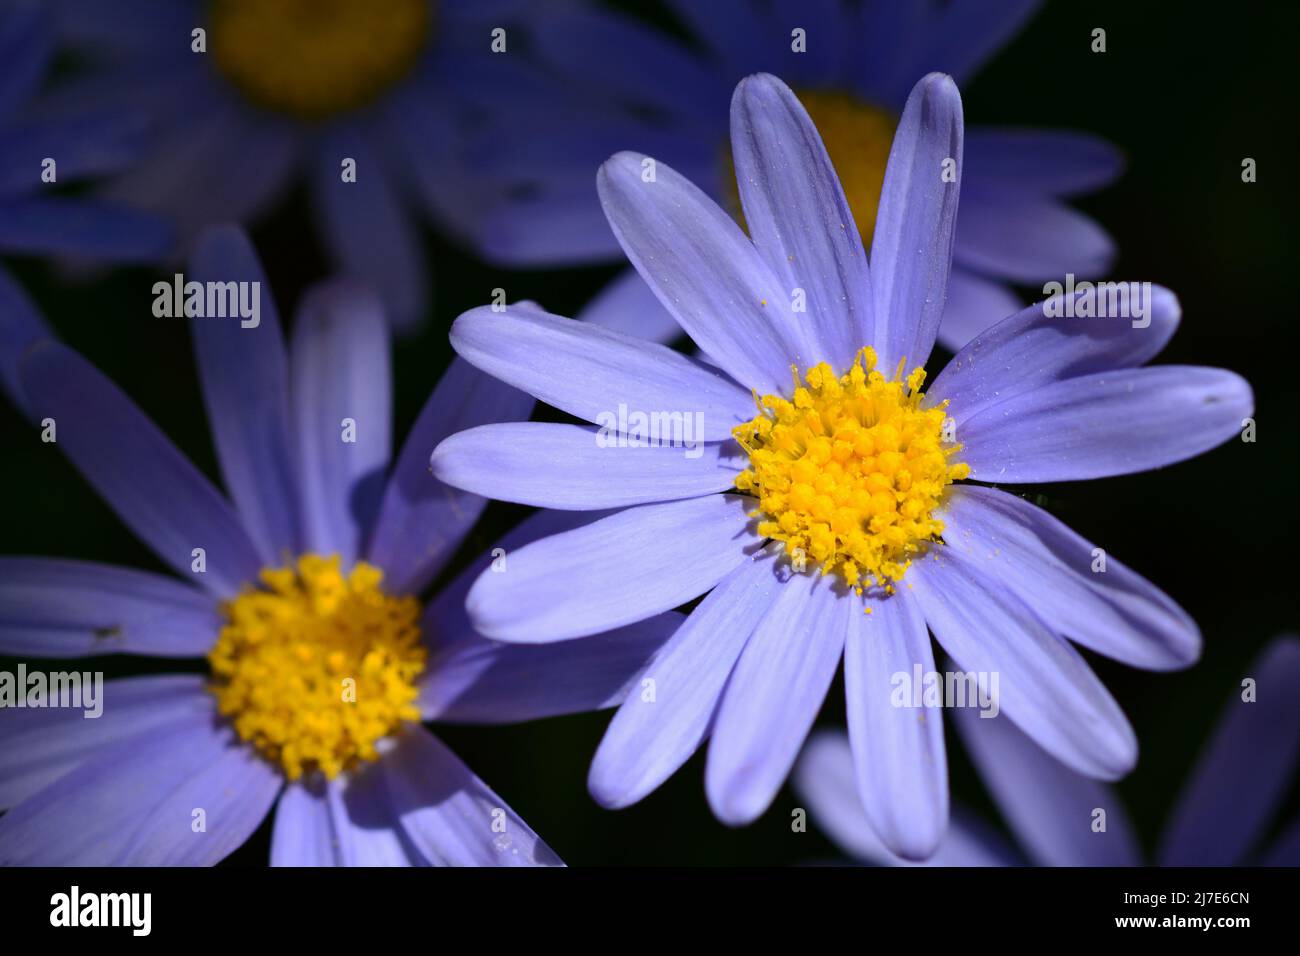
<point x="852" y="65"/>
<point x="302" y="88"/>
<point x="302" y="592"/>
<point x="38" y="155"/>
<point x="849" y="472"/>
<point x="1220" y="819"/>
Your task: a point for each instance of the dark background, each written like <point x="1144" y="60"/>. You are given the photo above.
<point x="1188" y="90"/>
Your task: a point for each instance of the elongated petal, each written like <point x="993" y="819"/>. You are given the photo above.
<point x="652" y="735"/>
<point x="302" y="834"/>
<point x="1046" y="161"/>
<point x="82" y="228"/>
<point x="1028" y="238"/>
<point x="704" y="270"/>
<point x="798" y="217"/>
<point x="1109" y="423"/>
<point x="342" y="401"/>
<point x="902" y="770"/>
<point x="451" y="815"/>
<point x="56" y="608"/>
<point x="590" y="371"/>
<point x="21" y="325"/>
<point x="492" y="682"/>
<point x="1241" y="777"/>
<point x="1053" y="570"/>
<point x="632" y="565"/>
<point x="962" y="36"/>
<point x="132" y="803"/>
<point x="1040" y="345"/>
<point x="151" y="486"/>
<point x="577" y="468"/>
<point x="367" y="226"/>
<point x="1043" y="684"/>
<point x="911" y="250"/>
<point x="364" y="824"/>
<point x="1050" y="808"/>
<point x="773" y="696"/>
<point x="825" y="780"/>
<point x="38" y="745"/>
<point x="245" y="376"/>
<point x="422" y="521"/>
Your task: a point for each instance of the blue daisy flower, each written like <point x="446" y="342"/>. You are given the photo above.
<point x="850" y="469"/>
<point x="852" y="65"/>
<point x="1226" y="807"/>
<point x="307" y="577"/>
<point x="289" y="89"/>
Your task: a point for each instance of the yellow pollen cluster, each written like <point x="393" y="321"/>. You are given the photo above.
<point x="317" y="58"/>
<point x="849" y="472"/>
<point x="316" y="666"/>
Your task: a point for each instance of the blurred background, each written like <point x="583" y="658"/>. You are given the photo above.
<point x="1188" y="91"/>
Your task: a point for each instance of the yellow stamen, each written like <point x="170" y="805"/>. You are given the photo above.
<point x="315" y="667"/>
<point x="857" y="136"/>
<point x="849" y="472"/>
<point x="318" y="58"/>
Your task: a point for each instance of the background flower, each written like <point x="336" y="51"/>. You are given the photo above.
<point x="668" y="99"/>
<point x="391" y="84"/>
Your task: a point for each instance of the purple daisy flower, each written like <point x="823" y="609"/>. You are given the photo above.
<point x="846" y="470"/>
<point x="304" y="580"/>
<point x="852" y="65"/>
<point x="293" y="88"/>
<point x="1219" y="820"/>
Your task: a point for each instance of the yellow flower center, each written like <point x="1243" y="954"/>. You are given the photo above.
<point x="857" y="136"/>
<point x="317" y="58"/>
<point x="316" y="666"/>
<point x="849" y="472"/>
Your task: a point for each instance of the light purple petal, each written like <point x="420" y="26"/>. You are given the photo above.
<point x="825" y="781"/>
<point x="628" y="305"/>
<point x="132" y="802"/>
<point x="245" y="378"/>
<point x="151" y="486"/>
<point x="588" y="371"/>
<point x="1051" y="569"/>
<point x="705" y="271"/>
<point x="1108" y="423"/>
<point x="1038" y="346"/>
<point x="303" y="834"/>
<point x="797" y="215"/>
<point x="576" y="468"/>
<point x="82" y="228"/>
<point x="902" y="769"/>
<point x="342" y="388"/>
<point x="632" y="565"/>
<point x="57" y="608"/>
<point x="653" y="734"/>
<point x="911" y="251"/>
<point x="38" y="745"/>
<point x="451" y="815"/>
<point x="774" y="694"/>
<point x="1044" y="686"/>
<point x="1051" y="809"/>
<point x="422" y="521"/>
<point x="364" y="821"/>
<point x="1241" y="777"/>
